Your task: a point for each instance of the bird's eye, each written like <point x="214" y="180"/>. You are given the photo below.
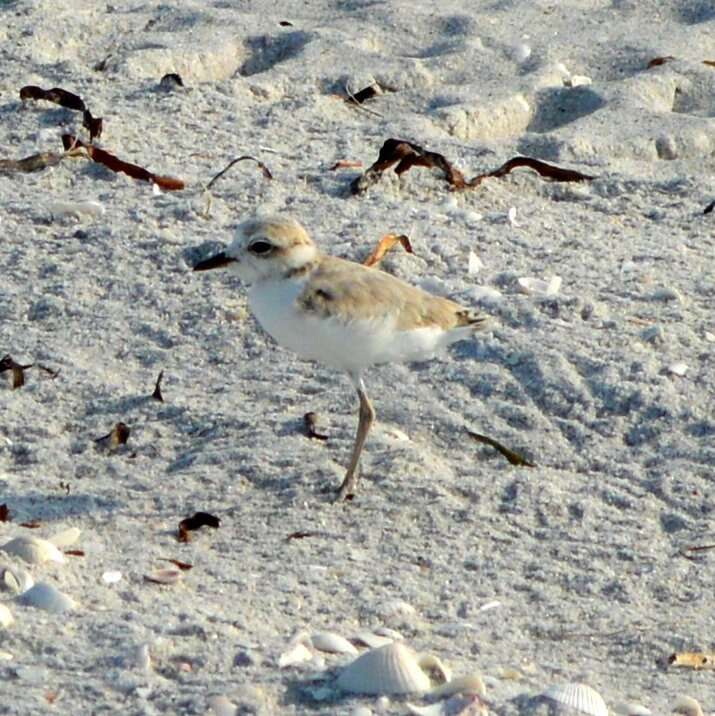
<point x="260" y="247"/>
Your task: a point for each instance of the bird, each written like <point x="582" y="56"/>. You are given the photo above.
<point x="337" y="312"/>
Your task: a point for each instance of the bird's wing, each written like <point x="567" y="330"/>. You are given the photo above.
<point x="348" y="291"/>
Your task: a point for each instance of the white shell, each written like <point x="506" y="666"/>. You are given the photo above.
<point x="521" y="52"/>
<point x="332" y="643"/>
<point x="578" y="698"/>
<point x="625" y="708"/>
<point x="390" y="669"/>
<point x="494" y="604"/>
<point x="475" y="264"/>
<point x="511" y="217"/>
<point x="111" y="576"/>
<point x="578" y="81"/>
<point x="33" y="550"/>
<point x="6" y="617"/>
<point x="296" y="654"/>
<point x="45" y="596"/>
<point x="6" y="656"/>
<point x="374" y="641"/>
<point x="472" y="684"/>
<point x="66" y="538"/>
<point x="221" y="706"/>
<point x="679" y="368"/>
<point x="687" y="706"/>
<point x="15" y="579"/>
<point x="539" y="287"/>
<point x="361" y="711"/>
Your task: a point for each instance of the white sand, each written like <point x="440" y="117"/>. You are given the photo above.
<point x="581" y="552"/>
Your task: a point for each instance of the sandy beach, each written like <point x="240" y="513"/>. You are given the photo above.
<point x="599" y="368"/>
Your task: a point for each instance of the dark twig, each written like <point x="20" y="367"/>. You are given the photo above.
<point x="513" y="457"/>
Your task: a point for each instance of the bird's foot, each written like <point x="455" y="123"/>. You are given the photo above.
<point x="346" y="491"/>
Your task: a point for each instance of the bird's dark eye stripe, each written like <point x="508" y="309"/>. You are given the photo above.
<point x="260" y="247"/>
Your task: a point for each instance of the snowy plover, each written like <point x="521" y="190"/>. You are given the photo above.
<point x="337" y="312"/>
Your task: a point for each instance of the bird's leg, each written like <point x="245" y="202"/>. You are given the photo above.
<point x="365" y="422"/>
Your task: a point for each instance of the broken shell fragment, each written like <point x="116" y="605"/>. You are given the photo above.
<point x="460" y="705"/>
<point x="164" y="576"/>
<point x="45" y="596"/>
<point x="6" y="618"/>
<point x="576" y="700"/>
<point x="66" y="538"/>
<point x="297" y="654"/>
<point x="33" y="550"/>
<point x="332" y="643"/>
<point x="111" y="576"/>
<point x="15" y="579"/>
<point x="679" y="369"/>
<point x="390" y="669"/>
<point x="539" y="287"/>
<point x="687" y="706"/>
<point x="471" y="684"/>
<point x="374" y="641"/>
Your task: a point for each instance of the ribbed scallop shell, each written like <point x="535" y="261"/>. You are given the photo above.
<point x="390" y="669"/>
<point x="45" y="596"/>
<point x="577" y="700"/>
<point x="33" y="550"/>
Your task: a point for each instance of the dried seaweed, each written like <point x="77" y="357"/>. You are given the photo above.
<point x="33" y="163"/>
<point x="302" y="535"/>
<point x="32" y="525"/>
<point x="74" y="552"/>
<point x="69" y="100"/>
<point x="4" y="513"/>
<point x="119" y="436"/>
<point x="310" y="421"/>
<point x="693" y="659"/>
<point x="657" y="61"/>
<point x="157" y="388"/>
<point x="183" y="566"/>
<point x="346" y="164"/>
<point x="52" y="373"/>
<point x="195" y="522"/>
<point x="18" y="371"/>
<point x="709" y="208"/>
<point x="406" y="155"/>
<point x="384" y="245"/>
<point x="513" y="457"/>
<point x="264" y="169"/>
<point x="118" y="165"/>
<point x="709" y="63"/>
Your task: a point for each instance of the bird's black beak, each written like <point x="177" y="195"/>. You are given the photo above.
<point x="217" y="261"/>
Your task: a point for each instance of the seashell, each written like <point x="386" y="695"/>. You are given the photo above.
<point x="679" y="369"/>
<point x="390" y="669"/>
<point x="45" y="596"/>
<point x="475" y="264"/>
<point x="164" y="576"/>
<point x="472" y="684"/>
<point x="15" y="579"/>
<point x="511" y="217"/>
<point x="578" y="81"/>
<point x="687" y="706"/>
<point x="33" y="550"/>
<point x="374" y="641"/>
<point x="111" y="576"/>
<point x="382" y="705"/>
<point x="5" y="656"/>
<point x="66" y="538"/>
<point x="76" y="208"/>
<point x="332" y="643"/>
<point x="709" y="336"/>
<point x="460" y="705"/>
<point x="624" y="708"/>
<point x="521" y="52"/>
<point x="221" y="706"/>
<point x="577" y="699"/>
<point x="296" y="654"/>
<point x="361" y="711"/>
<point x="389" y="633"/>
<point x="539" y="287"/>
<point x="6" y="618"/>
<point x="489" y="605"/>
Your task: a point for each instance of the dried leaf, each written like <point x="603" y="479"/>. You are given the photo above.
<point x="33" y="525"/>
<point x="710" y="63"/>
<point x="33" y="163"/>
<point x="384" y="245"/>
<point x="18" y="371"/>
<point x="118" y="165"/>
<point x="196" y="521"/>
<point x="407" y="155"/>
<point x="264" y="169"/>
<point x="4" y="513"/>
<point x="513" y="457"/>
<point x="656" y="61"/>
<point x="185" y="566"/>
<point x="310" y="421"/>
<point x="346" y="164"/>
<point x="693" y="659"/>
<point x="157" y="388"/>
<point x="285" y="23"/>
<point x="75" y="552"/>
